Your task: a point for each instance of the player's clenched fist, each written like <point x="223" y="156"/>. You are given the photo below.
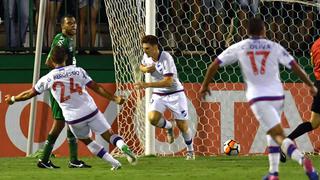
<point x="119" y="100"/>
<point x="9" y="99"/>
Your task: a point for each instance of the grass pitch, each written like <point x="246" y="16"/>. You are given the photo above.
<point x="154" y="168"/>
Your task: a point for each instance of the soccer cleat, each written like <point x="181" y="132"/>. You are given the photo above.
<point x="283" y="157"/>
<point x="47" y="165"/>
<point x="116" y="167"/>
<point x="271" y="176"/>
<point x="78" y="164"/>
<point x="170" y="135"/>
<point x="131" y="157"/>
<point x="308" y="168"/>
<point x="190" y="155"/>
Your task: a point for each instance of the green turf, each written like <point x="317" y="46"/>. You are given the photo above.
<point x="154" y="168"/>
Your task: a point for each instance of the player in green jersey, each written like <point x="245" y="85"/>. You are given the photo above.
<point x="65" y="39"/>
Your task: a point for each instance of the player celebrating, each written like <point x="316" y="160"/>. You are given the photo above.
<point x="64" y="39"/>
<point x="168" y="92"/>
<point x="259" y="60"/>
<point x="67" y="85"/>
<point x="315" y="107"/>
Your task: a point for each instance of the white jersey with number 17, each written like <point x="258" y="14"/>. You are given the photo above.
<point x="67" y="85"/>
<point x="259" y="61"/>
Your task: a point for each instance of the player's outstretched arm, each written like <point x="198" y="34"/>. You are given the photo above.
<point x="9" y="99"/>
<point x="104" y="93"/>
<point x="304" y="77"/>
<point x="212" y="70"/>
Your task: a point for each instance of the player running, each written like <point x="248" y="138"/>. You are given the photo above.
<point x="67" y="85"/>
<point x="259" y="61"/>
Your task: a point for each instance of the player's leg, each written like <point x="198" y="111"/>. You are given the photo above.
<point x="44" y="161"/>
<point x="187" y="136"/>
<point x="307" y="126"/>
<point x="72" y="141"/>
<point x="100" y="126"/>
<point x="273" y="155"/>
<point x="291" y="150"/>
<point x="155" y="115"/>
<point x="82" y="132"/>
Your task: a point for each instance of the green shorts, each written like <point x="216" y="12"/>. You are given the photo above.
<point x="56" y="110"/>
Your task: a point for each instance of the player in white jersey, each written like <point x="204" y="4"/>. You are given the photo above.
<point x="259" y="61"/>
<point x="68" y="86"/>
<point x="168" y="92"/>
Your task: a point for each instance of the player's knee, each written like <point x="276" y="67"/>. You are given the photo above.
<point x="153" y="118"/>
<point x="315" y="120"/>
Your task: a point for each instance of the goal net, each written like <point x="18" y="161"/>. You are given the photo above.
<point x="195" y="32"/>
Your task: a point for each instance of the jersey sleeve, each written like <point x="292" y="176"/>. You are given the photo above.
<point x="84" y="78"/>
<point x="168" y="66"/>
<point x="43" y="84"/>
<point x="228" y="56"/>
<point x="284" y="56"/>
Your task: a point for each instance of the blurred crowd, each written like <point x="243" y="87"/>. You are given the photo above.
<point x="20" y="17"/>
<point x="194" y="25"/>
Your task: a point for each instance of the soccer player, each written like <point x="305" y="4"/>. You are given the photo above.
<point x="67" y="85"/>
<point x="259" y="61"/>
<point x="168" y="92"/>
<point x="64" y="39"/>
<point x="315" y="108"/>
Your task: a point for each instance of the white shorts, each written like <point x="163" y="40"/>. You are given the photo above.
<point x="268" y="113"/>
<point x="176" y="102"/>
<point x="98" y="124"/>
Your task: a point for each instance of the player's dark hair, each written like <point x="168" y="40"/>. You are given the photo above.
<point x="255" y="26"/>
<point x="58" y="54"/>
<point x="66" y="16"/>
<point x="150" y="39"/>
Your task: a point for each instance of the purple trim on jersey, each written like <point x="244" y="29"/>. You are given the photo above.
<point x="291" y="148"/>
<point x="292" y="62"/>
<point x="83" y="118"/>
<point x="168" y="75"/>
<point x="60" y="67"/>
<point x="165" y="94"/>
<point x="35" y="91"/>
<point x="265" y="98"/>
<point x="273" y="149"/>
<point x="164" y="123"/>
<point x="89" y="83"/>
<point x="101" y="153"/>
<point x="219" y="61"/>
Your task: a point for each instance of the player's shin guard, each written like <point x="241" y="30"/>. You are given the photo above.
<point x="99" y="151"/>
<point x="73" y="145"/>
<point x="188" y="139"/>
<point x="164" y="124"/>
<point x="290" y="149"/>
<point x="273" y="155"/>
<point x="47" y="150"/>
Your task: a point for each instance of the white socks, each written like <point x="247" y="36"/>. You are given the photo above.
<point x="99" y="151"/>
<point x="290" y="149"/>
<point x="273" y="154"/>
<point x="164" y="124"/>
<point x="188" y="140"/>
